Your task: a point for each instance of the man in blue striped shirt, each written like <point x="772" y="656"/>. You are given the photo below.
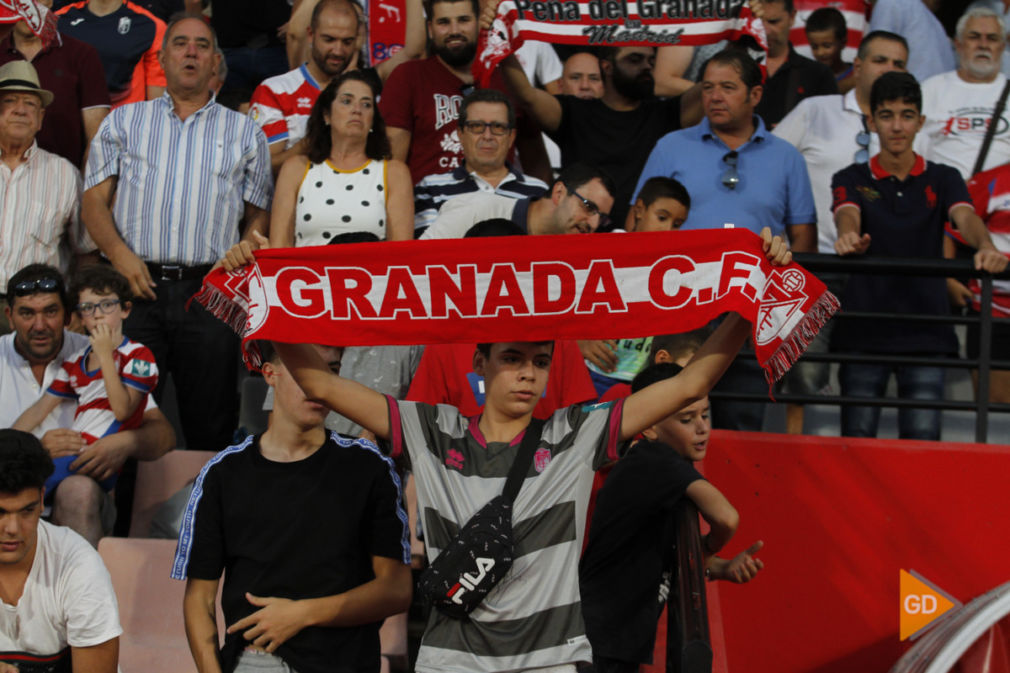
<point x="487" y="124"/>
<point x="170" y="185"/>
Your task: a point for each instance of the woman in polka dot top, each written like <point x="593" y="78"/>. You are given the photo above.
<point x="347" y="181"/>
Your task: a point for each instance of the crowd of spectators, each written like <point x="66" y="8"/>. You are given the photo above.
<point x="153" y="140"/>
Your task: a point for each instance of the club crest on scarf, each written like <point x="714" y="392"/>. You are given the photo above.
<point x="565" y="287"/>
<point x="781" y="306"/>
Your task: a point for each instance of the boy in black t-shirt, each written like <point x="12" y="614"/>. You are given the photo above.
<point x="310" y="532"/>
<point x="631" y="539"/>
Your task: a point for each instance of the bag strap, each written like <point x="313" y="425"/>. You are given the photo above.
<point x="521" y="464"/>
<point x="991" y="129"/>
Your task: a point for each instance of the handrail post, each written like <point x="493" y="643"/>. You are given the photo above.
<point x="984" y="360"/>
<point x="688" y="645"/>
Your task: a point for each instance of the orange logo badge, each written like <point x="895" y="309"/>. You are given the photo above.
<point x="921" y="604"/>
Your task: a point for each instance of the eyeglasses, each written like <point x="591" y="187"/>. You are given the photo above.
<point x="106" y="306"/>
<point x="863" y="153"/>
<point x="590" y="207"/>
<point x="27" y="287"/>
<point x="730" y="179"/>
<point x="477" y="128"/>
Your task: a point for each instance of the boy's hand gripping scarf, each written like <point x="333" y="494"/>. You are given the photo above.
<point x="522" y="288"/>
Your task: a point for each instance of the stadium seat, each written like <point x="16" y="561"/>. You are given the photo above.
<point x="150" y="606"/>
<point x="158" y="480"/>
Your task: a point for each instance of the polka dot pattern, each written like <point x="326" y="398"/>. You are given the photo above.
<point x="330" y="203"/>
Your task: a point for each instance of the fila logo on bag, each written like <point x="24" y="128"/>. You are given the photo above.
<point x="781" y="305"/>
<point x="469" y="581"/>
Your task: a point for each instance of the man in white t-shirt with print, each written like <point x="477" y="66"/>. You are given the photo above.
<point x="959" y="104"/>
<point x="58" y="608"/>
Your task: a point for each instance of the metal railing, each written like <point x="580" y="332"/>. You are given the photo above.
<point x="901" y="266"/>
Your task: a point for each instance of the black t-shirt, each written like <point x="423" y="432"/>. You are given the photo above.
<point x="249" y="23"/>
<point x="630" y="545"/>
<point x="798" y="78"/>
<point x="616" y="142"/>
<point x="904" y="218"/>
<point x="305" y="529"/>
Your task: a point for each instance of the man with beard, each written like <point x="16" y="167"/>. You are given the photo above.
<point x="281" y="104"/>
<point x="615" y="132"/>
<point x="422" y="99"/>
<point x="959" y="104"/>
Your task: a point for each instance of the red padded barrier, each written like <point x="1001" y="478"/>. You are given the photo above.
<point x="840" y="517"/>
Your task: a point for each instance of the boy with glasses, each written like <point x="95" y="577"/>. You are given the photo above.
<point x="110" y="378"/>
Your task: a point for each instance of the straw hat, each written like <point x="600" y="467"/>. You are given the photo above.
<point x="21" y="76"/>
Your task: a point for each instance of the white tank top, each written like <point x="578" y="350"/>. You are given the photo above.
<point x="333" y="201"/>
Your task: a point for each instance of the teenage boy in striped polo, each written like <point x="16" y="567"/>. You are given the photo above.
<point x="532" y="620"/>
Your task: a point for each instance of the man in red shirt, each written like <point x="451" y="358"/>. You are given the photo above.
<point x="421" y="100"/>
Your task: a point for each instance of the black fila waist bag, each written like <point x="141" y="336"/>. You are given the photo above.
<point x="481" y="553"/>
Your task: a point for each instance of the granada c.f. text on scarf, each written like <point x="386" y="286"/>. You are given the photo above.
<point x="522" y="288"/>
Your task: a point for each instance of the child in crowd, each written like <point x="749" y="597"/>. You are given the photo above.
<point x="630" y="549"/>
<point x="110" y="379"/>
<point x="827" y="34"/>
<point x="533" y="619"/>
<point x="662" y="205"/>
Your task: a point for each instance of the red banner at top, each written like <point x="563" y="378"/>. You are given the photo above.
<point x="612" y="23"/>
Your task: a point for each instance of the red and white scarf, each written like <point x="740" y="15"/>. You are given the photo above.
<point x="522" y="288"/>
<point x="616" y="23"/>
<point x="36" y="16"/>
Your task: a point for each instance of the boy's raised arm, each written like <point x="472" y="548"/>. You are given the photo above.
<point x="657" y="401"/>
<point x="359" y="403"/>
<point x="654" y="403"/>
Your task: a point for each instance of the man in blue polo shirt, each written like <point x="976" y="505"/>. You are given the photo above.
<point x="896" y="205"/>
<point x="736" y="172"/>
<point x="738" y="175"/>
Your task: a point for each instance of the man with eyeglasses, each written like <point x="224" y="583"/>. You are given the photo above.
<point x="486" y="130"/>
<point x="578" y="202"/>
<point x="421" y="100"/>
<point x="30" y="358"/>
<point x="40" y="191"/>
